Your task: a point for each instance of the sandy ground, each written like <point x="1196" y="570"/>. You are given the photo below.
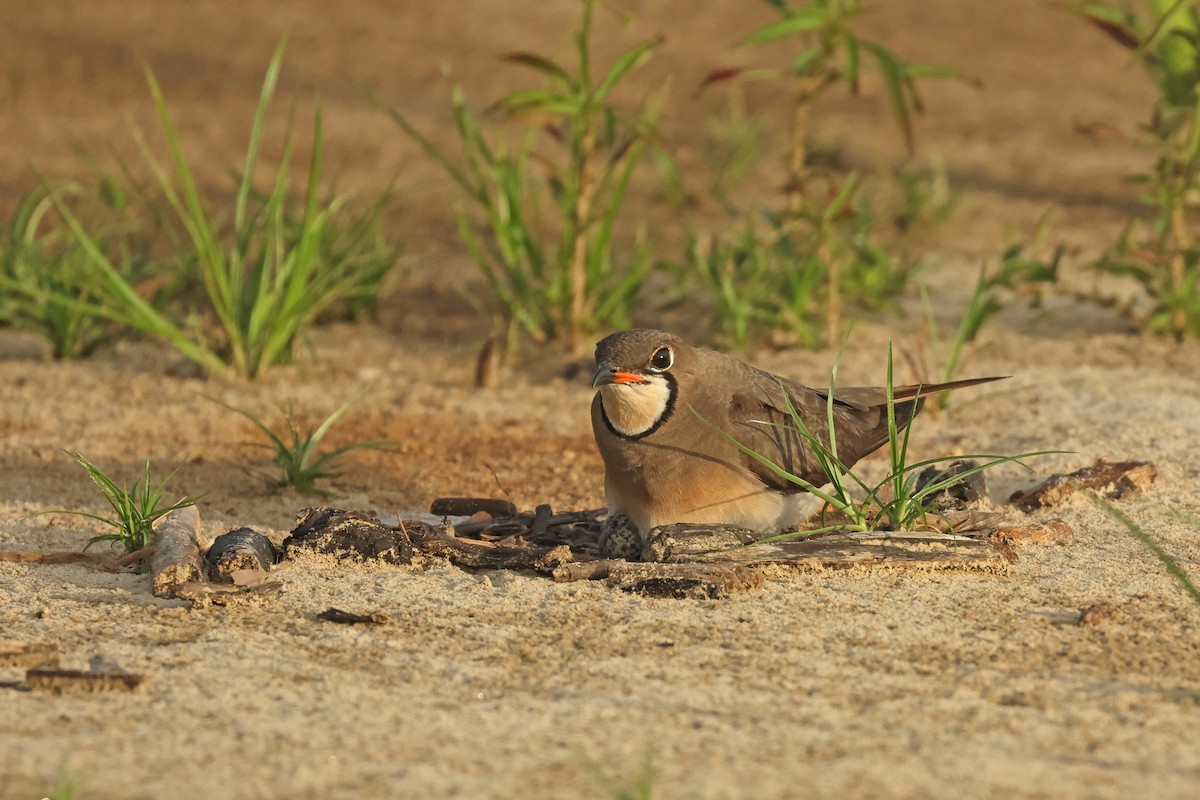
<point x="864" y="682"/>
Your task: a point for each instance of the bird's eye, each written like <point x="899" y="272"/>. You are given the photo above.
<point x="662" y="360"/>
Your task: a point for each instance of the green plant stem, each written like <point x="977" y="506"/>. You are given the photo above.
<point x="579" y="255"/>
<point x="799" y="167"/>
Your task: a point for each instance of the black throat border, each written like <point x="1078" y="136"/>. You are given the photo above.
<point x="672" y="393"/>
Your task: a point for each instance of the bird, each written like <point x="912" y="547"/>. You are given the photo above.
<point x="668" y="418"/>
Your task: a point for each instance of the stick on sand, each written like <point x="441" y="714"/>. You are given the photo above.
<point x="177" y="550"/>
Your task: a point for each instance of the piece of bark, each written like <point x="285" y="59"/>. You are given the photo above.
<point x="342" y="532"/>
<point x="476" y="554"/>
<point x="177" y="548"/>
<point x="957" y="548"/>
<point x="541" y="521"/>
<point x="27" y="654"/>
<point x="963" y="493"/>
<point x="467" y="506"/>
<point x="77" y="681"/>
<point x="349" y="618"/>
<point x="240" y="550"/>
<point x="349" y="534"/>
<point x="1111" y="480"/>
<point x="1006" y="538"/>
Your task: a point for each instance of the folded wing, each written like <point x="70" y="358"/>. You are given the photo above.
<point x="760" y="420"/>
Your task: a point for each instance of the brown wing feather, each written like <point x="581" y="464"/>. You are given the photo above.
<point x="760" y="420"/>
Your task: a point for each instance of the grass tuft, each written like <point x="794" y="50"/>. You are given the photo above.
<point x="46" y="286"/>
<point x="266" y="276"/>
<point x="136" y="508"/>
<point x="1163" y="257"/>
<point x="829" y="225"/>
<point x="552" y="265"/>
<point x="295" y="454"/>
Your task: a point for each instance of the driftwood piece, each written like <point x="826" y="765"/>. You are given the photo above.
<point x="348" y="534"/>
<point x="469" y="506"/>
<point x="350" y="618"/>
<point x="697" y="568"/>
<point x="240" y="550"/>
<point x="27" y="654"/>
<point x="342" y="533"/>
<point x="959" y="541"/>
<point x="177" y="548"/>
<point x="1114" y="481"/>
<point x="692" y="560"/>
<point x="963" y="546"/>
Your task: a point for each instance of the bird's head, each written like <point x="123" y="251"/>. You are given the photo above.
<point x="635" y="379"/>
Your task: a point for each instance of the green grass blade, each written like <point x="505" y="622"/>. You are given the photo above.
<point x="277" y="444"/>
<point x="799" y="20"/>
<point x="127" y="306"/>
<point x="190" y="207"/>
<point x="1139" y="533"/>
<point x="320" y="432"/>
<point x="256" y="134"/>
<point x="629" y="60"/>
<point x="804" y="534"/>
<point x="892" y="70"/>
<point x="474" y="190"/>
<point x="545" y="66"/>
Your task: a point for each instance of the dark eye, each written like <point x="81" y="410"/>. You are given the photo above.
<point x="662" y="360"/>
